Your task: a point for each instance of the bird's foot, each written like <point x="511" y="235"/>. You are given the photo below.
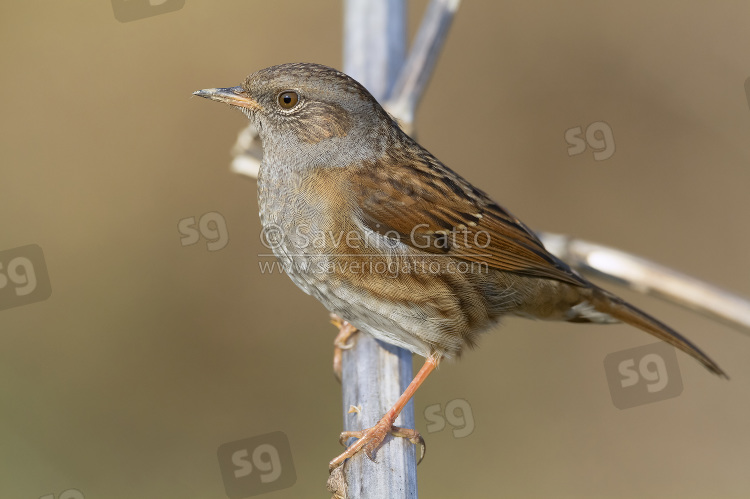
<point x="369" y="441"/>
<point x="341" y="342"/>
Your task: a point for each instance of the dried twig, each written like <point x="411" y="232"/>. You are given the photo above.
<point x="651" y="278"/>
<point x="415" y="74"/>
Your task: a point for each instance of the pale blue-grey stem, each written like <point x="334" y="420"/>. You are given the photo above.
<point x="420" y="63"/>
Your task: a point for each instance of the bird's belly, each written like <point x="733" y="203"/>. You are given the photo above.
<point x="417" y="301"/>
<point x="407" y="301"/>
<point x="414" y="301"/>
<point x="329" y="280"/>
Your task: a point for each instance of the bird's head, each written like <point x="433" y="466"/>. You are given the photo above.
<point x="310" y="110"/>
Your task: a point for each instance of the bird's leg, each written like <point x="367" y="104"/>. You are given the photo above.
<point x="341" y="342"/>
<point x="370" y="439"/>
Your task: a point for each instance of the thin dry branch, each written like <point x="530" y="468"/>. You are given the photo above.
<point x="651" y="278"/>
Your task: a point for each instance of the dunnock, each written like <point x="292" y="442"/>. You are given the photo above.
<point x="393" y="241"/>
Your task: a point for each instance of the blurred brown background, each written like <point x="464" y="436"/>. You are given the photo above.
<point x="149" y="355"/>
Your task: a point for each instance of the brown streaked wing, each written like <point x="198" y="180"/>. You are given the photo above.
<point x="421" y="199"/>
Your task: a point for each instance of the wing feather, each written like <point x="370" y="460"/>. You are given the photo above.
<point x="433" y="209"/>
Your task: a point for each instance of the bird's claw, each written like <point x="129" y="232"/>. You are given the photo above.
<point x="414" y="437"/>
<point x="369" y="440"/>
<point x="341" y="342"/>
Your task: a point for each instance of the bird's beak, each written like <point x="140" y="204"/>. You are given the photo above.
<point x="234" y="96"/>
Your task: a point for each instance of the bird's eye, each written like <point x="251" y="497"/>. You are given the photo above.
<point x="288" y="99"/>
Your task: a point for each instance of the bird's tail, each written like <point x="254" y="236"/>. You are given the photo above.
<point x="615" y="307"/>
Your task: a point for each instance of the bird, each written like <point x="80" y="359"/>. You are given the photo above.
<point x="391" y="240"/>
